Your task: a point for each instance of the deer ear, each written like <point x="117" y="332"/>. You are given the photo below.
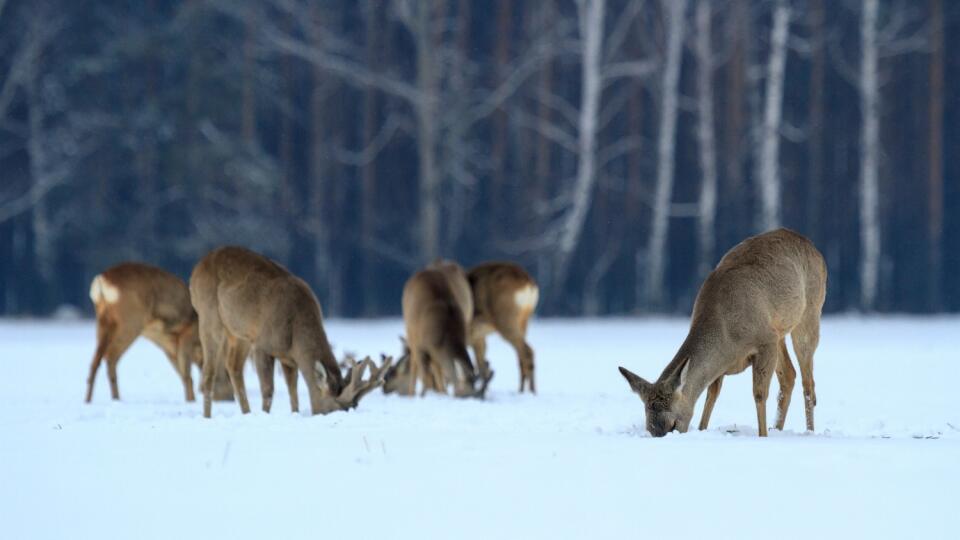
<point x="683" y="375"/>
<point x="636" y="382"/>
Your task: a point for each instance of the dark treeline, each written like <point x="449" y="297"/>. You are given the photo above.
<point x="615" y="148"/>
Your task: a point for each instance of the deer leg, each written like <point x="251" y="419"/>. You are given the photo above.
<point x="264" y="363"/>
<point x="222" y="387"/>
<point x="479" y="345"/>
<point x="182" y="366"/>
<point x="805" y="338"/>
<point x="236" y="354"/>
<point x="214" y="353"/>
<point x="290" y="376"/>
<point x="309" y="373"/>
<point x="104" y="336"/>
<point x="433" y="374"/>
<point x="122" y="340"/>
<point x="417" y="369"/>
<point x="712" y="392"/>
<point x="786" y="376"/>
<point x="524" y="356"/>
<point x="764" y="364"/>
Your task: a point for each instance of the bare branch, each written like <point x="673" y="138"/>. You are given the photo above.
<point x="369" y="153"/>
<point x="623" y="146"/>
<point x="548" y="130"/>
<point x="638" y="69"/>
<point x="624" y="22"/>
<point x="350" y="70"/>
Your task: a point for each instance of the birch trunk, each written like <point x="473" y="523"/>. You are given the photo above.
<point x="706" y="138"/>
<point x="670" y="76"/>
<point x="869" y="154"/>
<point x="815" y="112"/>
<point x="427" y="136"/>
<point x="368" y="173"/>
<point x="43" y="237"/>
<point x="591" y="13"/>
<point x="768" y="173"/>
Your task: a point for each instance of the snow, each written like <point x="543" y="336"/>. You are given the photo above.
<point x="571" y="462"/>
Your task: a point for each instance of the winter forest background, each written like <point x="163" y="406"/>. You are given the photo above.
<point x="615" y="148"/>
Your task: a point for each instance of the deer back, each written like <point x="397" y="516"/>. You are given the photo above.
<point x="762" y="287"/>
<point x="262" y="303"/>
<point x="438" y="306"/>
<point x="503" y="291"/>
<point x="154" y="301"/>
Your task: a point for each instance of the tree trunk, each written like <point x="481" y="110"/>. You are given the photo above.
<point x="544" y="114"/>
<point x="869" y="155"/>
<point x="427" y="83"/>
<point x="815" y="162"/>
<point x="935" y="169"/>
<point x="768" y="163"/>
<point x="591" y="14"/>
<point x="42" y="232"/>
<point x="314" y="193"/>
<point x="666" y="144"/>
<point x="248" y="106"/>
<point x="499" y="143"/>
<point x="707" y="140"/>
<point x="368" y="173"/>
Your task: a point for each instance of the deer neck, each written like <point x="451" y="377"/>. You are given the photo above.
<point x="705" y="350"/>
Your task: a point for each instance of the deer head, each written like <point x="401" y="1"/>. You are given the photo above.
<point x="397" y="378"/>
<point x="664" y="401"/>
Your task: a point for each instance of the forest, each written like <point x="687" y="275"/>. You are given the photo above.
<point x="615" y="148"/>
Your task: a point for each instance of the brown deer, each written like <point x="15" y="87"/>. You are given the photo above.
<point x="133" y="299"/>
<point x="504" y="297"/>
<point x="246" y="302"/>
<point x="437" y="310"/>
<point x="764" y="288"/>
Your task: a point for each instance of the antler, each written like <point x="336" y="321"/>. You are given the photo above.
<point x="355" y="386"/>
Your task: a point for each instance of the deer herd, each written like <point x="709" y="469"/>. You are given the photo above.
<point x="240" y="305"/>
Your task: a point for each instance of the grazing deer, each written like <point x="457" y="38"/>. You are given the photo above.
<point x="134" y="299"/>
<point x="504" y="297"/>
<point x="246" y="302"/>
<point x="437" y="310"/>
<point x="764" y="288"/>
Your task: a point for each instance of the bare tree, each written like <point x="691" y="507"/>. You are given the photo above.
<point x="440" y="118"/>
<point x="706" y="139"/>
<point x="869" y="88"/>
<point x="883" y="34"/>
<point x="666" y="143"/>
<point x="590" y="15"/>
<point x="768" y="162"/>
<point x="815" y="115"/>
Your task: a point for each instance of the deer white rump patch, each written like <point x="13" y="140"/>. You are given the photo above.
<point x="103" y="290"/>
<point x="527" y="297"/>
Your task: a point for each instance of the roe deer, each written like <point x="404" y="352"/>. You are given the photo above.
<point x="504" y="297"/>
<point x="764" y="288"/>
<point x="437" y="310"/>
<point x="246" y="302"/>
<point x="133" y="299"/>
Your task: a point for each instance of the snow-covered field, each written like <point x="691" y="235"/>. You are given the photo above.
<point x="571" y="462"/>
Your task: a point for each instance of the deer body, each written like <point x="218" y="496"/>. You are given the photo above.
<point x="504" y="297"/>
<point x="134" y="299"/>
<point x="764" y="288"/>
<point x="437" y="311"/>
<point x="248" y="303"/>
